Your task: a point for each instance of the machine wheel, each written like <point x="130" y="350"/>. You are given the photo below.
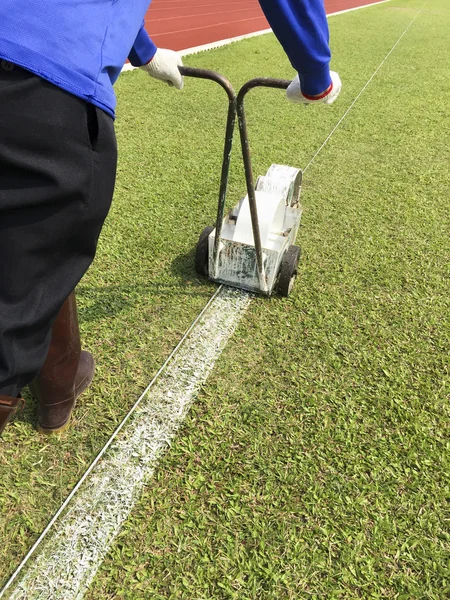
<point x="288" y="270"/>
<point x="202" y="252"/>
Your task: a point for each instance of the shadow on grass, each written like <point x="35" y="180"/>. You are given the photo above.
<point x="110" y="301"/>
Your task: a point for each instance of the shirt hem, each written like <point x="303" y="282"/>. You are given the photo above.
<point x="63" y="77"/>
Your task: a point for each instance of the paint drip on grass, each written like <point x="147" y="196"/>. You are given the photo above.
<point x="66" y="562"/>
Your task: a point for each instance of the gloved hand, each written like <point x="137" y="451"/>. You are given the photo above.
<point x="294" y="92"/>
<point x="164" y="66"/>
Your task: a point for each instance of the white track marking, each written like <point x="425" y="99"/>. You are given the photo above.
<point x="246" y="36"/>
<point x="213" y="45"/>
<point x="341" y="12"/>
<point x="72" y="553"/>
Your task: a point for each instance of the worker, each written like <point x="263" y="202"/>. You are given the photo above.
<point x="59" y="60"/>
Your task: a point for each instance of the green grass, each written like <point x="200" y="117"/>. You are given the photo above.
<point x="315" y="463"/>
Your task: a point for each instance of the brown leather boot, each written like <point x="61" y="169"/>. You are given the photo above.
<point x="66" y="373"/>
<point x="8" y="406"/>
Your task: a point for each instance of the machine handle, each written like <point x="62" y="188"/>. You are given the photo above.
<point x="253" y="83"/>
<point x="270" y="82"/>
<point x="212" y="75"/>
<point x="281" y="84"/>
<point x="228" y="144"/>
<point x="236" y="105"/>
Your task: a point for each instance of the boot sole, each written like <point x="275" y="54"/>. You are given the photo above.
<point x="46" y="431"/>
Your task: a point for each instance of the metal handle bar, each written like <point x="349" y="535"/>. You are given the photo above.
<point x="231" y="120"/>
<point x="212" y="75"/>
<point x="236" y="106"/>
<point x="259" y="82"/>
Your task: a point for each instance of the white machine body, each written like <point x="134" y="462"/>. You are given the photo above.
<point x="279" y="215"/>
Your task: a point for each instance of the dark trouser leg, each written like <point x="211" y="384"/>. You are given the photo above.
<point x="57" y="173"/>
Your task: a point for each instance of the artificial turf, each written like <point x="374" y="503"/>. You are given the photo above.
<point x="315" y="463"/>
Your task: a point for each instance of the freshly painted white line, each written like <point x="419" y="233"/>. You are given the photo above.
<point x="246" y="36"/>
<point x="72" y="552"/>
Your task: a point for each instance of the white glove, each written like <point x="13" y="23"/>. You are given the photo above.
<point x="164" y="66"/>
<point x="294" y="92"/>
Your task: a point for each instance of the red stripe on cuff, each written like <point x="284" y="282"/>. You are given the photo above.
<point x="326" y="92"/>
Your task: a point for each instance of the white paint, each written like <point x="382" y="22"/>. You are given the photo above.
<point x="227" y="41"/>
<point x="80" y="536"/>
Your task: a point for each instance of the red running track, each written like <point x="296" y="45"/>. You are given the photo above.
<point x="181" y="24"/>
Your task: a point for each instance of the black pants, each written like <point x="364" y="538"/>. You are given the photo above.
<point x="57" y="172"/>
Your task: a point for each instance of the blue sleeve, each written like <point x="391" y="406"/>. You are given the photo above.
<point x="301" y="27"/>
<point x="143" y="49"/>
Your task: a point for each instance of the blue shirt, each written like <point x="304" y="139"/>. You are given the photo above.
<point x="82" y="45"/>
